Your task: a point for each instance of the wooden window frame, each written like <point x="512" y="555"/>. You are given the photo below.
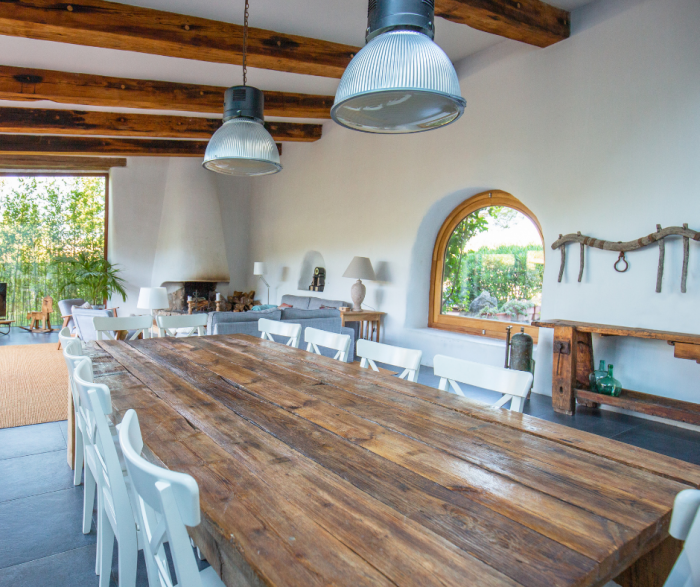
<point x="69" y="174"/>
<point x="462" y="324"/>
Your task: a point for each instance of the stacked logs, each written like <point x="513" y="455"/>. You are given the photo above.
<point x="242" y="301"/>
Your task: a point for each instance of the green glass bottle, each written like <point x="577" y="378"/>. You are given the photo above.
<point x="608" y="385"/>
<point x="596" y="375"/>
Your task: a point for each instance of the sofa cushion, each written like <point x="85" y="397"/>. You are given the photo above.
<point x="301" y="302"/>
<point x="215" y="318"/>
<point x="316" y="303"/>
<point x="296" y="314"/>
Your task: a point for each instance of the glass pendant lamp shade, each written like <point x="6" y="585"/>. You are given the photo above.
<point x="242" y="147"/>
<point x="401" y="81"/>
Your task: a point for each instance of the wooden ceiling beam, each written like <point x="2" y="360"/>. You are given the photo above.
<point x="97" y="23"/>
<point x="79" y="122"/>
<point x="59" y="163"/>
<point x="529" y="21"/>
<point x="53" y="145"/>
<point x="26" y="84"/>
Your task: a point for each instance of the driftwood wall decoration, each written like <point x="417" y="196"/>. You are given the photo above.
<point x="625" y="247"/>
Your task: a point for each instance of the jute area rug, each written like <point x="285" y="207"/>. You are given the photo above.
<point x="33" y="385"/>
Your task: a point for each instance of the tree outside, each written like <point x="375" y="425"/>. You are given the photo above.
<point x="44" y="219"/>
<point x="495" y="254"/>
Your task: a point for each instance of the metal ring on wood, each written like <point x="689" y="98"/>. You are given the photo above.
<point x="621" y="258"/>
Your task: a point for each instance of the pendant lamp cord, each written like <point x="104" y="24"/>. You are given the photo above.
<point x="245" y="43"/>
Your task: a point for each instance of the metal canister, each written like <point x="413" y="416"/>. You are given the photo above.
<point x="521" y="348"/>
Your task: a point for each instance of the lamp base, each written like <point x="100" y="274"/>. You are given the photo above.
<point x="357" y="293"/>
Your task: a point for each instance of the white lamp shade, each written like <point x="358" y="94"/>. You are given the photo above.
<point x="360" y="268"/>
<point x="153" y="298"/>
<point x="258" y="268"/>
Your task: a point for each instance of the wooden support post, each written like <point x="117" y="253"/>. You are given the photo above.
<point x="653" y="568"/>
<point x="584" y="364"/>
<point x="564" y="371"/>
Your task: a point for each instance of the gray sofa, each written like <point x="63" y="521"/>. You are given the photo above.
<point x="305" y="310"/>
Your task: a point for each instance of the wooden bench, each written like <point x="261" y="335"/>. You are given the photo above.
<point x="573" y="363"/>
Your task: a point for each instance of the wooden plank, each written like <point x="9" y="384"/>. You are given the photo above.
<point x="81" y="122"/>
<point x="97" y="23"/>
<point x="392" y="542"/>
<point x="574" y="527"/>
<point x="26" y="84"/>
<point x="570" y="475"/>
<point x="621" y="331"/>
<point x="684" y="350"/>
<point x="644" y="403"/>
<point x="528" y="21"/>
<point x="60" y="163"/>
<point x="630" y="455"/>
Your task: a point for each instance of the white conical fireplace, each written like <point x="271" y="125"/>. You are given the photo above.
<point x="191" y="235"/>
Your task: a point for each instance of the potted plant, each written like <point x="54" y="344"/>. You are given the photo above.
<point x="94" y="276"/>
<point x="487" y="312"/>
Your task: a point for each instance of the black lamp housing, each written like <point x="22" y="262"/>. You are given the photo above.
<point x="244" y="102"/>
<point x="389" y="15"/>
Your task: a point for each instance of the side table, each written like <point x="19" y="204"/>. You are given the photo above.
<point x="370" y="322"/>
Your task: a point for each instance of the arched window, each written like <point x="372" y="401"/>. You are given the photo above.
<point x="487" y="270"/>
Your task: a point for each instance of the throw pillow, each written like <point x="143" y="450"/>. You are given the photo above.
<point x="285" y="306"/>
<point x="86" y="305"/>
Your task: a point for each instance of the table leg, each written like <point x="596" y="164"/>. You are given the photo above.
<point x="564" y="370"/>
<point x="653" y="568"/>
<point x="379" y="325"/>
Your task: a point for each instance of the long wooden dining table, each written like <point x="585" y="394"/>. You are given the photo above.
<point x="317" y="472"/>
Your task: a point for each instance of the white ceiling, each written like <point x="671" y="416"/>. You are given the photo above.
<point x="342" y="21"/>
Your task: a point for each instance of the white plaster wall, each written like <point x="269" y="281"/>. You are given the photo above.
<point x="599" y="133"/>
<point x="137" y="194"/>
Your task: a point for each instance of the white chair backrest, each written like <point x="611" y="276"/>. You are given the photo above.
<point x="164" y="502"/>
<point x="95" y="404"/>
<point x="72" y="355"/>
<point x="685" y="525"/>
<point x="514" y="385"/>
<point x="408" y="359"/>
<point x="331" y="340"/>
<point x="82" y="318"/>
<point x="64" y="337"/>
<point x="107" y="327"/>
<point x="168" y="325"/>
<point x="270" y="327"/>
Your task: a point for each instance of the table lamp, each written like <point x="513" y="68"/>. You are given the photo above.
<point x="153" y="298"/>
<point x="359" y="268"/>
<point x="259" y="271"/>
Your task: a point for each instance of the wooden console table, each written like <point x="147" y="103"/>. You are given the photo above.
<point x="370" y="322"/>
<point x="573" y="363"/>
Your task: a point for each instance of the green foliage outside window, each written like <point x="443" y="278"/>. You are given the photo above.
<point x="43" y="219"/>
<point x="510" y="273"/>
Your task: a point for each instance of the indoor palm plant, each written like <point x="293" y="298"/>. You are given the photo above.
<point x="94" y="277"/>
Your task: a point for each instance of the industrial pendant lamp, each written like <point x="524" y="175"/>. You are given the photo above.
<point x="401" y="81"/>
<point x="242" y="146"/>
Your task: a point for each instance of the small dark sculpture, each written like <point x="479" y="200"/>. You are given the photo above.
<point x="319" y="280"/>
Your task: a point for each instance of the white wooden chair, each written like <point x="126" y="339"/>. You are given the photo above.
<point x="331" y="340"/>
<point x="64" y="337"/>
<point x="164" y="503"/>
<point x="72" y="355"/>
<point x="169" y="325"/>
<point x="115" y="518"/>
<point x="408" y="359"/>
<point x="270" y="327"/>
<point x="108" y="327"/>
<point x="514" y="385"/>
<point x="685" y="525"/>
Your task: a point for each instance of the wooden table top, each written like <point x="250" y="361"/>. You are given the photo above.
<point x="317" y="472"/>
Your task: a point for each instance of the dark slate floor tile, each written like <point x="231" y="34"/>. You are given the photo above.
<point x="34" y="474"/>
<point x="661" y="441"/>
<point x="42" y="525"/>
<point x="19" y="336"/>
<point x="29" y="440"/>
<point x="74" y="568"/>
